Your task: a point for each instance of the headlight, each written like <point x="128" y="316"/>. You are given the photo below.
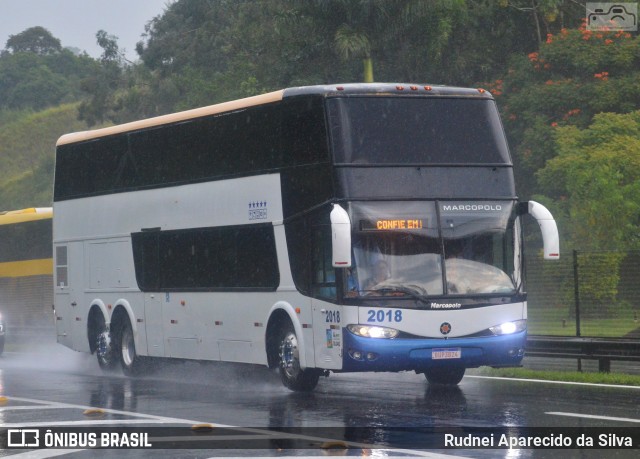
<point x="369" y="331"/>
<point x="509" y="328"/>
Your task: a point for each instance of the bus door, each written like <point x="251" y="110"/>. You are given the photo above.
<point x="70" y="327"/>
<point x="62" y="304"/>
<point x="327" y="334"/>
<point x="327" y="315"/>
<point x="154" y="324"/>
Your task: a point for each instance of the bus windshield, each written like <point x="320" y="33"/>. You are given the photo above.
<point x="410" y="249"/>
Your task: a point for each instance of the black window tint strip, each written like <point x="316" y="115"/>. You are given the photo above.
<point x="207" y="259"/>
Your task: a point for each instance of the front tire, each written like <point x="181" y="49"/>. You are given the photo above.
<point x="448" y="376"/>
<point x="294" y="377"/>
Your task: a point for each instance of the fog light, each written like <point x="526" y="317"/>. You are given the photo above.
<point x="355" y="355"/>
<point x="515" y="352"/>
<point x="371" y="356"/>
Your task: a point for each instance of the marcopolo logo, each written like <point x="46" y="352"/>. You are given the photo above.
<point x="612" y="16"/>
<point x="466" y="207"/>
<point x="445" y="328"/>
<point x="435" y="305"/>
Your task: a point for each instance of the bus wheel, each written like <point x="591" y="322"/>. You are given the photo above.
<point x="132" y="364"/>
<point x="449" y="376"/>
<point x="106" y="354"/>
<point x="294" y="377"/>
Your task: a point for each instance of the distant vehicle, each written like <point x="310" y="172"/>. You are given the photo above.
<point x="364" y="227"/>
<point x="26" y="267"/>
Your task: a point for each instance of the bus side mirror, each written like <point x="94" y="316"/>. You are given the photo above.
<point x="548" y="228"/>
<point x="340" y="237"/>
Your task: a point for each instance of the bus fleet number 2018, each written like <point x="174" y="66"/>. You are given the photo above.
<point x="382" y="315"/>
<point x="333" y="317"/>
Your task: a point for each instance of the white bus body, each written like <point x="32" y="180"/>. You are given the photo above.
<point x="257" y="265"/>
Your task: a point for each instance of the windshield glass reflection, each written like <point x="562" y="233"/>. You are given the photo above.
<point x="410" y="249"/>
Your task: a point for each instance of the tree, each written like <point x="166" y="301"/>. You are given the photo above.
<point x="596" y="176"/>
<point x="575" y="75"/>
<point x="37" y="40"/>
<point x="104" y="85"/>
<point x="29" y="80"/>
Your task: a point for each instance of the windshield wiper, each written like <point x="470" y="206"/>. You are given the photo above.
<point x="407" y="290"/>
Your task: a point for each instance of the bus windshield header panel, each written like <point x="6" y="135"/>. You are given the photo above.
<point x="416" y="130"/>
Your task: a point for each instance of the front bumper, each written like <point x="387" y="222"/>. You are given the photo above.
<point x="400" y="354"/>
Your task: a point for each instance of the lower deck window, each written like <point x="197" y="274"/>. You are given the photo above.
<point x="218" y="258"/>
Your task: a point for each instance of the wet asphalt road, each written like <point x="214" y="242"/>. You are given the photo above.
<point x="51" y="387"/>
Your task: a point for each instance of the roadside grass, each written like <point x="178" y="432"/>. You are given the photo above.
<point x="551" y="321"/>
<point x="569" y="376"/>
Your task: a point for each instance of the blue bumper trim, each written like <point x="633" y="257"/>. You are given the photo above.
<point x="416" y="354"/>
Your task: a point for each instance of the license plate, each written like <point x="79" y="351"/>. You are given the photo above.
<point x="447" y="353"/>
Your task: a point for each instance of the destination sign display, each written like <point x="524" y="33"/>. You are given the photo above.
<point x="390" y="224"/>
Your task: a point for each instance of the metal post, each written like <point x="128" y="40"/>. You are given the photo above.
<point x="576" y="291"/>
<point x="576" y="297"/>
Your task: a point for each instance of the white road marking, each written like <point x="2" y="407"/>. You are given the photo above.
<point x="44" y="453"/>
<point x="84" y="423"/>
<point x="546" y="381"/>
<point x="29" y="407"/>
<point x="164" y="419"/>
<point x="385" y="453"/>
<point x="593" y="416"/>
<point x="153" y="419"/>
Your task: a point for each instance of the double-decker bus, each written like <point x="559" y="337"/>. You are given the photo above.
<point x="358" y="227"/>
<point x="26" y="269"/>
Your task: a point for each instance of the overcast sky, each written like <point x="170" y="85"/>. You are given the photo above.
<point x="75" y="22"/>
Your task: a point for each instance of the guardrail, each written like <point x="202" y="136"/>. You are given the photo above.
<point x="602" y="349"/>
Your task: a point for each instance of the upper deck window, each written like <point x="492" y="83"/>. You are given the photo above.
<point x="415" y="130"/>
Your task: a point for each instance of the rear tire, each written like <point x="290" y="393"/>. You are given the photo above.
<point x="106" y="355"/>
<point x="132" y="364"/>
<point x="294" y="377"/>
<point x="448" y="376"/>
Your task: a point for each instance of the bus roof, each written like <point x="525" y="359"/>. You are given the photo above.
<point x="25" y="215"/>
<point x="380" y="89"/>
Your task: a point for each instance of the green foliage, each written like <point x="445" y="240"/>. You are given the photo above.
<point x="27" y="145"/>
<point x="575" y="75"/>
<point x="551" y="78"/>
<point x="201" y="51"/>
<point x="35" y="40"/>
<point x="596" y="175"/>
<point x="33" y="81"/>
<point x="573" y="376"/>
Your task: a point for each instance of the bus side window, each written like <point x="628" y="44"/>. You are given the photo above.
<point x="324" y="274"/>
